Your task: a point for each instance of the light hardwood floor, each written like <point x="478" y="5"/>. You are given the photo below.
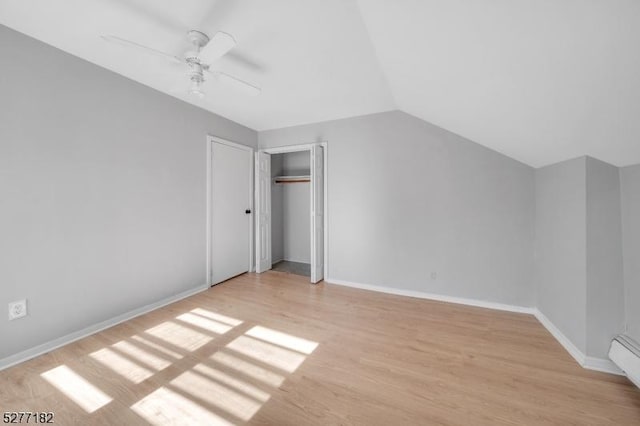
<point x="274" y="349"/>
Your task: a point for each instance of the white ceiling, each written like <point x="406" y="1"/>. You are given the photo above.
<point x="538" y="80"/>
<point x="313" y="59"/>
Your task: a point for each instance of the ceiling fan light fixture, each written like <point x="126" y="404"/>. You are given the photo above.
<point x="196" y="87"/>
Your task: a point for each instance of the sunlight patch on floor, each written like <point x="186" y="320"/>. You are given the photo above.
<point x="282" y="339"/>
<point x="157" y="347"/>
<point x="217" y="317"/>
<point x="232" y="382"/>
<point x="179" y="336"/>
<point x="231" y="386"/>
<point x="76" y="388"/>
<point x="217" y="391"/>
<point x="276" y="356"/>
<point x="204" y="323"/>
<point x="218" y="395"/>
<point x="121" y="365"/>
<point x="254" y="371"/>
<point x="165" y="407"/>
<point x="146" y="358"/>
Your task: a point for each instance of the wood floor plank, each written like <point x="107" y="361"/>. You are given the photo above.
<point x="271" y="349"/>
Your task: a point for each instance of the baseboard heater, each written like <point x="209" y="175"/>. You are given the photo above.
<point x="625" y="353"/>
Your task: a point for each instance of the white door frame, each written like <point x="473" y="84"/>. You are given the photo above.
<point x="307" y="147"/>
<point x="210" y="140"/>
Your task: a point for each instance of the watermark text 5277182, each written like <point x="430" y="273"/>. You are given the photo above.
<point x="24" y="417"/>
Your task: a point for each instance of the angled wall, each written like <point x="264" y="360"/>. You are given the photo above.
<point x="605" y="281"/>
<point x="561" y="248"/>
<point x="578" y="269"/>
<point x="630" y="189"/>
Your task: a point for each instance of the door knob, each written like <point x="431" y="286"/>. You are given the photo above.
<point x="247" y="211"/>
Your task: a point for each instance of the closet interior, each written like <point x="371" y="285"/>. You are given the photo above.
<point x="290" y="212"/>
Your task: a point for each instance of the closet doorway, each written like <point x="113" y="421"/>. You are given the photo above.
<point x="290" y="214"/>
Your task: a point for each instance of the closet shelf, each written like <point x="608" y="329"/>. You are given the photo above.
<point x="292" y="179"/>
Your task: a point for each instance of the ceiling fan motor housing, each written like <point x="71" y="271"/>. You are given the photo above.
<point x="196" y="73"/>
<point x="198" y="39"/>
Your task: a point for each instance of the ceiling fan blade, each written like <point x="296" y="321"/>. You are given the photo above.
<point x="220" y="44"/>
<point x="128" y="43"/>
<point x="236" y="83"/>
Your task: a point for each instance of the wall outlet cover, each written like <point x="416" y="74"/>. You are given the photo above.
<point x="17" y="309"/>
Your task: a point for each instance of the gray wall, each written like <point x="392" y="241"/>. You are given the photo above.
<point x="561" y="247"/>
<point x="297" y="208"/>
<point x="630" y="190"/>
<point x="102" y="185"/>
<point x="290" y="209"/>
<point x="605" y="282"/>
<point x="407" y="198"/>
<point x="296" y="163"/>
<point x="579" y="269"/>
<point x="297" y="222"/>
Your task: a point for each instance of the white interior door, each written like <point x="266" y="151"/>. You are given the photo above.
<point x="263" y="212"/>
<point x="231" y="198"/>
<point x="317" y="213"/>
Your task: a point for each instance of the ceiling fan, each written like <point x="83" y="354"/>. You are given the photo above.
<point x="203" y="52"/>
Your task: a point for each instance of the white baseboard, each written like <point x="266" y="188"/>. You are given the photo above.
<point x="576" y="353"/>
<point x="92" y="329"/>
<point x="297" y="260"/>
<point x="433" y="296"/>
<point x="591" y="363"/>
<point x="603" y="365"/>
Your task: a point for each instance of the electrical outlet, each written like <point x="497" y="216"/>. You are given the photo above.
<point x="17" y="309"/>
<point x="434" y="276"/>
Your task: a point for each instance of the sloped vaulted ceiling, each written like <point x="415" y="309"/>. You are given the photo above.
<point x="538" y="80"/>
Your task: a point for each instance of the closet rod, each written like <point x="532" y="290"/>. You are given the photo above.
<point x="292" y="179"/>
